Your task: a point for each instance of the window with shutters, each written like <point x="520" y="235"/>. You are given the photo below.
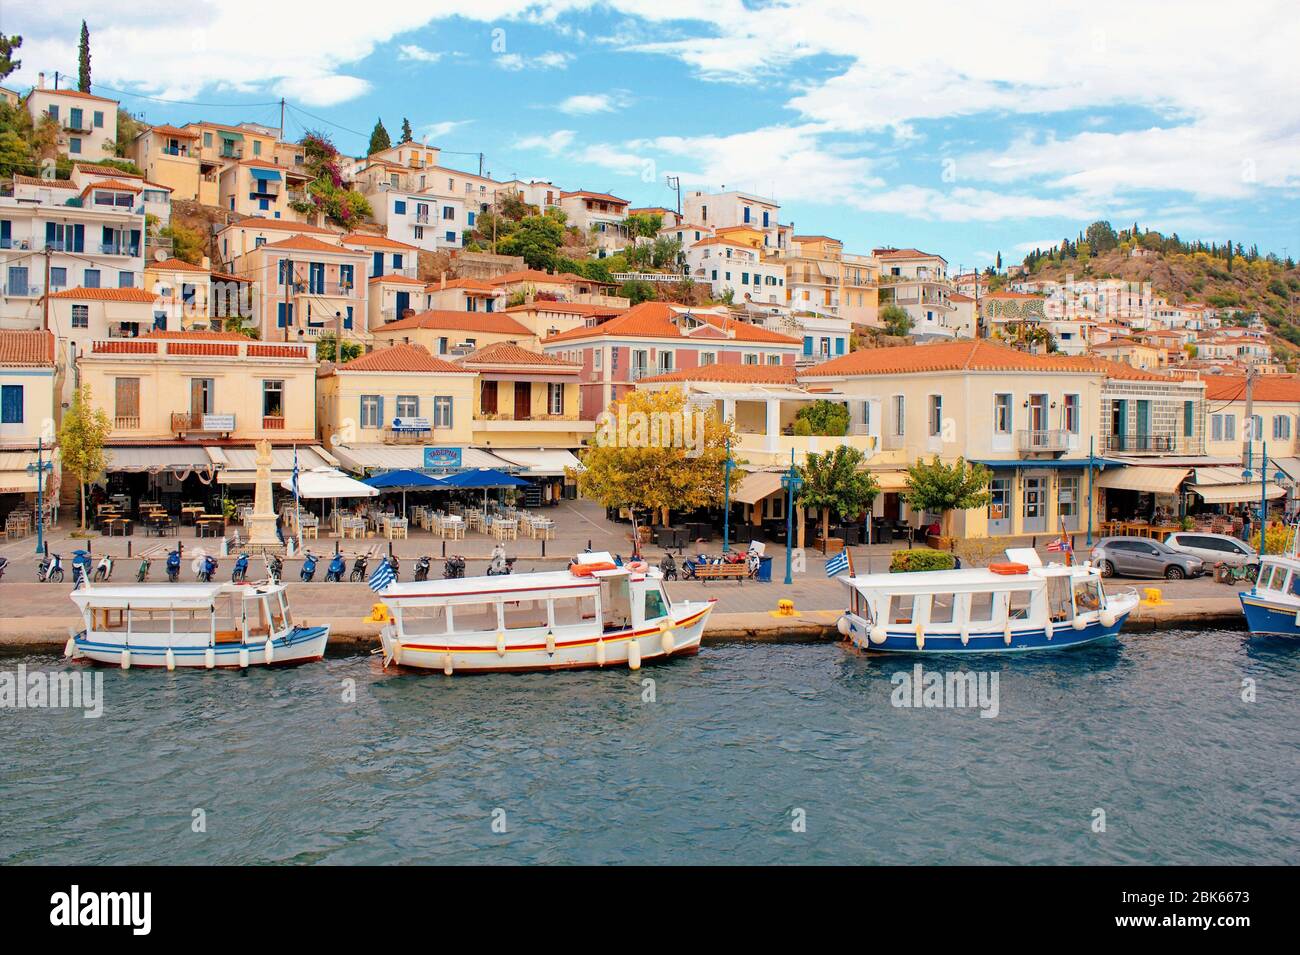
<point x="126" y="406"/>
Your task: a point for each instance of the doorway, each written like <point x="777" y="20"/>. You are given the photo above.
<point x="523" y="400"/>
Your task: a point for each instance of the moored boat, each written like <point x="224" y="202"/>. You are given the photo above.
<point x="192" y="625"/>
<point x="1272" y="605"/>
<point x="595" y="614"/>
<point x="1016" y="606"/>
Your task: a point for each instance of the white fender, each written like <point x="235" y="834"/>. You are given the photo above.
<point x="550" y="643"/>
<point x="1107" y="617"/>
<point x="965" y="636"/>
<point x="171" y="659"/>
<point x="633" y="654"/>
<point x="397" y="650"/>
<point x="878" y="635"/>
<point x="1079" y="623"/>
<point x="501" y="643"/>
<point x="70" y="647"/>
<point x="666" y="641"/>
<point x="843" y="625"/>
<point x="920" y="637"/>
<point x="1006" y="633"/>
<point x="600" y="652"/>
<point x="1049" y="630"/>
<point x="446" y="664"/>
<point x="210" y="658"/>
<point x="268" y="650"/>
<point x="126" y="658"/>
<point x="243" y="658"/>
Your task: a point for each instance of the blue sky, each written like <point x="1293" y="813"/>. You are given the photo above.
<point x="925" y="124"/>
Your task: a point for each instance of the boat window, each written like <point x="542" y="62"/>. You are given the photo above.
<point x="227" y="609"/>
<point x="981" y="607"/>
<point x="1087" y="595"/>
<point x="941" y="607"/>
<point x="1018" y="606"/>
<point x="901" y="608"/>
<point x="616" y="602"/>
<point x="159" y="621"/>
<point x="475" y="617"/>
<point x="654" y="605"/>
<point x="277" y="614"/>
<point x="524" y="614"/>
<point x="424" y="621"/>
<point x="284" y="607"/>
<point x="571" y="611"/>
<point x="1060" y="607"/>
<point x="1279" y="578"/>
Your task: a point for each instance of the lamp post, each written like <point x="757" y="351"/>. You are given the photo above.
<point x="791" y="482"/>
<point x="726" y="501"/>
<point x="1091" y="447"/>
<point x="1278" y="476"/>
<point x="39" y="468"/>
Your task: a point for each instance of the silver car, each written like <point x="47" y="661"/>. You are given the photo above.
<point x="1213" y="548"/>
<point x="1143" y="557"/>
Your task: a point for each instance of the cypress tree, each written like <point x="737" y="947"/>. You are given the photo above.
<point x="379" y="140"/>
<point x="407" y="136"/>
<point x="83" y="59"/>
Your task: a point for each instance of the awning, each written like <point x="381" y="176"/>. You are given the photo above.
<point x="131" y="459"/>
<point x="1150" y="479"/>
<point x="1208" y="477"/>
<point x="259" y="173"/>
<point x="230" y="135"/>
<point x="1288" y="466"/>
<point x="891" y="481"/>
<point x="326" y="484"/>
<point x="239" y="465"/>
<point x="14" y="476"/>
<point x="1033" y="464"/>
<point x="541" y="462"/>
<point x="1238" y="493"/>
<point x="757" y="485"/>
<point x="393" y="457"/>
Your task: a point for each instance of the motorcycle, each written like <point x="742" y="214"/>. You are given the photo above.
<point x="142" y="574"/>
<point x="80" y="565"/>
<point x="422" y="569"/>
<point x="104" y="570"/>
<point x="1227" y="574"/>
<point x="668" y="567"/>
<point x="334" y="572"/>
<point x="274" y="568"/>
<point x="359" y="567"/>
<point x="500" y="564"/>
<point x="174" y="565"/>
<point x="240" y="571"/>
<point x="308" y="567"/>
<point x="453" y="568"/>
<point x="50" y="570"/>
<point x="208" y="570"/>
<point x="4" y="562"/>
<point x="396" y="564"/>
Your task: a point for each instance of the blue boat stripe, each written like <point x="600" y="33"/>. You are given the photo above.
<point x="299" y="635"/>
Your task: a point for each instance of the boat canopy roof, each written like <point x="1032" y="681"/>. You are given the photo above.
<point x="489" y="587"/>
<point x="166" y="596"/>
<point x="961" y="581"/>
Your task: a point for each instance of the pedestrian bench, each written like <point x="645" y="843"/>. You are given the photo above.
<point x="737" y="572"/>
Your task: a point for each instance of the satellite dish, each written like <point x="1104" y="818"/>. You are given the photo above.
<point x="160" y="255"/>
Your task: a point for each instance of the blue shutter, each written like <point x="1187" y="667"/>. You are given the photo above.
<point x="347" y="319"/>
<point x="807" y="344"/>
<point x="380" y="422"/>
<point x="839" y="346"/>
<point x="11" y="404"/>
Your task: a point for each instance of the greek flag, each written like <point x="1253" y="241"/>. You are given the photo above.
<point x="295" y="473"/>
<point x="382" y="577"/>
<point x="839" y="564"/>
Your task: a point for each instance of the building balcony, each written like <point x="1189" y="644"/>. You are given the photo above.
<point x="119" y="248"/>
<point x="535" y="423"/>
<point x="1049" y="441"/>
<point x="126" y="423"/>
<point x="1153" y="444"/>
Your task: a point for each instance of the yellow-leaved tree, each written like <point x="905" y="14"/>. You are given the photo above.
<point x="655" y="451"/>
<point x="82" y="436"/>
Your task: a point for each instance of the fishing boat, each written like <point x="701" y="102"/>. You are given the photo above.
<point x="595" y="614"/>
<point x="1005" y="607"/>
<point x="1272" y="605"/>
<point x="192" y="625"/>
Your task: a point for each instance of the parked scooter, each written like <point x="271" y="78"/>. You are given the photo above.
<point x="396" y="564"/>
<point x="422" y="569"/>
<point x="80" y="565"/>
<point x="668" y="567"/>
<point x="142" y="574"/>
<point x="359" y="566"/>
<point x="274" y="568"/>
<point x="104" y="569"/>
<point x="208" y="570"/>
<point x="453" y="568"/>
<point x="239" y="573"/>
<point x="334" y="572"/>
<point x="174" y="565"/>
<point x="50" y="570"/>
<point x="500" y="564"/>
<point x="308" y="567"/>
<point x="4" y="562"/>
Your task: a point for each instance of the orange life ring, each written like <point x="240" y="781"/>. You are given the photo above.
<point x="586" y="570"/>
<point x="1009" y="569"/>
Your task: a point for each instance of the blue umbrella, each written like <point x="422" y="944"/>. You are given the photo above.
<point x="402" y="480"/>
<point x="484" y="478"/>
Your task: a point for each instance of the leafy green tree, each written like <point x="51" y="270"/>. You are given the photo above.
<point x="941" y="488"/>
<point x="82" y="436"/>
<point x="379" y="140"/>
<point x="83" y="59"/>
<point x="407" y="135"/>
<point x="127" y="130"/>
<point x="8" y="44"/>
<point x="822" y="417"/>
<point x="637" y="291"/>
<point x="330" y="348"/>
<point x="187" y="243"/>
<point x="835" y="481"/>
<point x="896" y="320"/>
<point x="644" y="224"/>
<point x="536" y="238"/>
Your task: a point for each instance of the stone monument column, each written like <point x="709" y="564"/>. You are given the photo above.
<point x="261" y="523"/>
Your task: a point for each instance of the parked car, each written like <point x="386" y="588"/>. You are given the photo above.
<point x="1143" y="557"/>
<point x="1213" y="548"/>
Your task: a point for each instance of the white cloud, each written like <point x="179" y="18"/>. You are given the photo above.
<point x="552" y="144"/>
<point x="322" y="90"/>
<point x="410" y="51"/>
<point x="438" y="130"/>
<point x="552" y="60"/>
<point x="582" y="104"/>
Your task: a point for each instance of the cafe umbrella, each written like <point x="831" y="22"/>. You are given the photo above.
<point x="327" y="484"/>
<point x="402" y="480"/>
<point x="485" y="478"/>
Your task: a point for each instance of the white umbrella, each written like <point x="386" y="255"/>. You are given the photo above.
<point x="328" y="483"/>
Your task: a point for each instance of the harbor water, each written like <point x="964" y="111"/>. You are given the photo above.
<point x="1173" y="747"/>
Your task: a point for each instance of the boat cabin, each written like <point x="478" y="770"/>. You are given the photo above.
<point x="184" y="615"/>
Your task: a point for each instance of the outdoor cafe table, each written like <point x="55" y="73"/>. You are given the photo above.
<point x="190" y="513"/>
<point x="209" y="525"/>
<point x="452" y="526"/>
<point x="115" y="524"/>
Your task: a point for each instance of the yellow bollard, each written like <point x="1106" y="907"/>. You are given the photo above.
<point x="1152" y="597"/>
<point x="378" y="614"/>
<point x="784" y="608"/>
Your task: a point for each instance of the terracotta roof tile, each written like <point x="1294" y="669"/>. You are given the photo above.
<point x="506" y="353"/>
<point x="1267" y="388"/>
<point x="76" y="93"/>
<point x="48" y="183"/>
<point x="379" y="241"/>
<point x="399" y="279"/>
<point x="305" y="243"/>
<point x="731" y="374"/>
<point x="399" y="358"/>
<point x="107" y="295"/>
<point x="174" y="265"/>
<point x="659" y="320"/>
<point x="99" y="169"/>
<point x="594" y="195"/>
<point x="26" y="348"/>
<point x="283" y="225"/>
<point x="572" y="308"/>
<point x="980" y="355"/>
<point x="496" y="323"/>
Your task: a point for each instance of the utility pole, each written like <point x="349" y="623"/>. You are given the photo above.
<point x="480" y="165"/>
<point x="281" y="117"/>
<point x="1246" y="435"/>
<point x="45" y="298"/>
<point x="675" y="182"/>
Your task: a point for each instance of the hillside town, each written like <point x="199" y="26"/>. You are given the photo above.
<point x="211" y="286"/>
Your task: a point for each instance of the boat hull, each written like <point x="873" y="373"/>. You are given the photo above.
<point x="1266" y="619"/>
<point x="298" y="646"/>
<point x="431" y="653"/>
<point x="1024" y="639"/>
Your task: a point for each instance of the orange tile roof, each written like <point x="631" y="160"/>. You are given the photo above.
<point x="111" y="184"/>
<point x="508" y="353"/>
<point x="573" y="308"/>
<point x="174" y="265"/>
<point x="305" y="243"/>
<point x="76" y="93"/>
<point x="165" y="130"/>
<point x="26" y="348"/>
<point x="50" y="183"/>
<point x="382" y="241"/>
<point x="495" y="323"/>
<point x="909" y="253"/>
<point x="283" y="225"/>
<point x="719" y="240"/>
<point x="731" y="374"/>
<point x="979" y="355"/>
<point x="1267" y="388"/>
<point x="659" y="320"/>
<point x="98" y="169"/>
<point x="106" y="295"/>
<point x="400" y="279"/>
<point x="594" y="195"/>
<point x="402" y="358"/>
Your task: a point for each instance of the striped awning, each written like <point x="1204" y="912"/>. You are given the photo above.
<point x="239" y="465"/>
<point x="540" y="462"/>
<point x="133" y="459"/>
<point x="1238" y="493"/>
<point x="389" y="457"/>
<point x="757" y="485"/>
<point x="1152" y="480"/>
<point x="891" y="481"/>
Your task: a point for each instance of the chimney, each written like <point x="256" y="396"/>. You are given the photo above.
<point x="206" y="263"/>
<point x="40" y="81"/>
<point x="442" y="280"/>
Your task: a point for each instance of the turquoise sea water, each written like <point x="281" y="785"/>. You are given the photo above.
<point x="738" y="745"/>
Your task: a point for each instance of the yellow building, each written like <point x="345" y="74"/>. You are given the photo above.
<point x="28" y="386"/>
<point x="169" y="156"/>
<point x="194" y="297"/>
<point x="525" y="399"/>
<point x="306" y="288"/>
<point x="254" y="187"/>
<point x="450" y="333"/>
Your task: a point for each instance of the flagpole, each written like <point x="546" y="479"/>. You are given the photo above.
<point x="297" y="516"/>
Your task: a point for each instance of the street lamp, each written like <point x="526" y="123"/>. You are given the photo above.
<point x="39" y="469"/>
<point x="791" y="481"/>
<point x="726" y="501"/>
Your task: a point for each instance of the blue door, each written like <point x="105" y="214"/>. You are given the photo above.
<point x="403" y="303"/>
<point x="17" y="280"/>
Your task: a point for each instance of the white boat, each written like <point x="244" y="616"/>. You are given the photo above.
<point x="1272" y="605"/>
<point x="593" y="615"/>
<point x="192" y="625"/>
<point x="1012" y="607"/>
